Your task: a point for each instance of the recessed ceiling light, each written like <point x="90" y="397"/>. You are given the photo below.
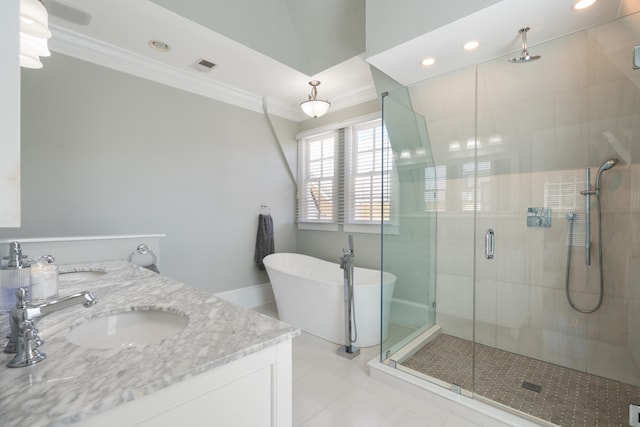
<point x="428" y="62"/>
<point x="583" y="4"/>
<point x="158" y="45"/>
<point x="473" y="44"/>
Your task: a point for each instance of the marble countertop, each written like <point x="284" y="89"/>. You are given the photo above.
<point x="74" y="383"/>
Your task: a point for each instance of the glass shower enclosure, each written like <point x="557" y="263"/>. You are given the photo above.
<point x="409" y="238"/>
<point x="493" y="157"/>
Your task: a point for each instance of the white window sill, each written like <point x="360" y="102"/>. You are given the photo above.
<point x="318" y="226"/>
<point x="349" y="228"/>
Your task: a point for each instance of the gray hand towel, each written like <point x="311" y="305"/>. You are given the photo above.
<point x="264" y="239"/>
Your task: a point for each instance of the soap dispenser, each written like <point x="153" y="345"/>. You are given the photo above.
<point x="16" y="274"/>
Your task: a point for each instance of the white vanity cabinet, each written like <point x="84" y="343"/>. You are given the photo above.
<point x="229" y="366"/>
<point x="9" y="114"/>
<point x="254" y="391"/>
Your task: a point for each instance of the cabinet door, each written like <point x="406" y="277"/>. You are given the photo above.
<point x="9" y="114"/>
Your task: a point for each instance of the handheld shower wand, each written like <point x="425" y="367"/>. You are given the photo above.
<point x="608" y="164"/>
<point x="603" y="167"/>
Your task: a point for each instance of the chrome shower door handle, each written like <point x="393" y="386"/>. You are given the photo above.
<point x="489" y="243"/>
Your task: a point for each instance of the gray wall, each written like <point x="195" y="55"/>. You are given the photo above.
<point x="106" y="153"/>
<point x="9" y="115"/>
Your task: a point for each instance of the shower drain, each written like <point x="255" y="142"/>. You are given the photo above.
<point x="531" y="386"/>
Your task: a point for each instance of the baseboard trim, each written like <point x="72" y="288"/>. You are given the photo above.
<point x="249" y="296"/>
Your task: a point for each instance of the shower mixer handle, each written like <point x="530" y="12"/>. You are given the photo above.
<point x="346" y="261"/>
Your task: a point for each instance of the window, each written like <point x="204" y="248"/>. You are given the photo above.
<point x="344" y="176"/>
<point x="317" y="184"/>
<point x="367" y="169"/>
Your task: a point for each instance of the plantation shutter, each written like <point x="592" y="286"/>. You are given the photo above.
<point x="317" y="185"/>
<point x="367" y="174"/>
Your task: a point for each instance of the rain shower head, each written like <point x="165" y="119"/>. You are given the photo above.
<point x="608" y="164"/>
<point x="524" y="56"/>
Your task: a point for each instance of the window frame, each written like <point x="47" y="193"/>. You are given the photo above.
<point x="343" y="145"/>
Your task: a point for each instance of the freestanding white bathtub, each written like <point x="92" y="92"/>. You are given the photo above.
<point x="309" y="294"/>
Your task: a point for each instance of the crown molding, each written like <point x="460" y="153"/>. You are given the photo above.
<point x="88" y="49"/>
<point x="362" y="92"/>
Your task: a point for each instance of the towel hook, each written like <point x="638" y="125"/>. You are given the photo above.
<point x="265" y="210"/>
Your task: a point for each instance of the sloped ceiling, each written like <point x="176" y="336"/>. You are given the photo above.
<point x="309" y="36"/>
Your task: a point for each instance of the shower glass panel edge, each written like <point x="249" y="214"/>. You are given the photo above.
<point x="409" y="238"/>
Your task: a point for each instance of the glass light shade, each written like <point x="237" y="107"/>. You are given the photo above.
<point x="34" y="19"/>
<point x="34" y="32"/>
<point x="315" y="107"/>
<point x="33" y="45"/>
<point x="28" y="61"/>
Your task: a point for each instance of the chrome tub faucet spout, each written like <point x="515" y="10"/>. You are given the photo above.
<point x="24" y="335"/>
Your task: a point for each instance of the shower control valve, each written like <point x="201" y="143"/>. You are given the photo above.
<point x="539" y="217"/>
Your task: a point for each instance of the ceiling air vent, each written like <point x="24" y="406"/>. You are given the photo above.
<point x="203" y="65"/>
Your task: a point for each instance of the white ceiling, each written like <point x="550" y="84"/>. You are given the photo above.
<point x="496" y="29"/>
<point x="267" y="51"/>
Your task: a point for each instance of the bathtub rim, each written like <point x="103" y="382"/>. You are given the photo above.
<point x="382" y="274"/>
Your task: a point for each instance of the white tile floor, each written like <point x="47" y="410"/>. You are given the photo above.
<point x="329" y="390"/>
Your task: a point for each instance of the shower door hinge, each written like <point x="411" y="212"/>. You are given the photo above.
<point x="434" y="305"/>
<point x="392" y="363"/>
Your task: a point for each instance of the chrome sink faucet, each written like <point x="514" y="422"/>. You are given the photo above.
<point x="24" y="339"/>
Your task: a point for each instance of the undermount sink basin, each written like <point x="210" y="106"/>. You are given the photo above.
<point x="80" y="275"/>
<point x="128" y="329"/>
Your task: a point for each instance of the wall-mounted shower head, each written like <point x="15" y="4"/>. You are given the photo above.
<point x="524" y="56"/>
<point x="603" y="167"/>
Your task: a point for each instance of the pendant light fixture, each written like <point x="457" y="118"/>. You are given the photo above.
<point x="315" y="107"/>
<point x="34" y="32"/>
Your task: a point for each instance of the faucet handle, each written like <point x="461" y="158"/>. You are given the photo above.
<point x="28" y="353"/>
<point x="21" y="295"/>
<point x="36" y="337"/>
<point x="12" y="345"/>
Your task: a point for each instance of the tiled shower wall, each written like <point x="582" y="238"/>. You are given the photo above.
<point x="529" y="131"/>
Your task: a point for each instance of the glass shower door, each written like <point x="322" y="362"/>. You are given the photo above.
<point x="408" y="240"/>
<point x="533" y="351"/>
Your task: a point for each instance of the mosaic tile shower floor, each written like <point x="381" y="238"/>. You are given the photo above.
<point x="550" y="392"/>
